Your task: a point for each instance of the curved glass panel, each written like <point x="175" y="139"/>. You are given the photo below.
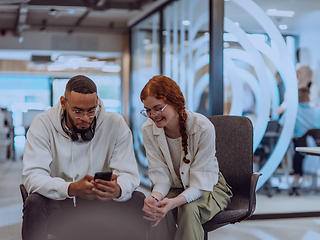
<point x="257" y="58"/>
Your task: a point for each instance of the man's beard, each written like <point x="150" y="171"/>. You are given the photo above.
<point x="73" y="125"/>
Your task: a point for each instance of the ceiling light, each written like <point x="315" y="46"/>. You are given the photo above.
<point x="75" y="66"/>
<point x="53" y="12"/>
<point x="186" y="22"/>
<point x="236" y="24"/>
<point x="280" y="13"/>
<point x="56" y="67"/>
<point x="71" y="11"/>
<point x="283" y="27"/>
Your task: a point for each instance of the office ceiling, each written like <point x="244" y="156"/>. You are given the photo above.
<point x="68" y="15"/>
<point x="107" y="16"/>
<point x="102" y="16"/>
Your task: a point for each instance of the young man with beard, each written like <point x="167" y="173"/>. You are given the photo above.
<point x="65" y="147"/>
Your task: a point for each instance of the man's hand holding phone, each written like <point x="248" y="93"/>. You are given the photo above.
<point x="83" y="188"/>
<point x="106" y="186"/>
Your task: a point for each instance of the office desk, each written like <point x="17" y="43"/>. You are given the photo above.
<point x="309" y="150"/>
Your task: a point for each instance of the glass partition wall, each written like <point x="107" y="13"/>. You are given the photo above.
<point x="174" y="42"/>
<point x="186" y="47"/>
<point x="258" y="70"/>
<point x="257" y="60"/>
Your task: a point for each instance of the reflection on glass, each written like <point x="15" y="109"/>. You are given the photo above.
<point x="21" y="98"/>
<point x="108" y="86"/>
<point x="145" y="64"/>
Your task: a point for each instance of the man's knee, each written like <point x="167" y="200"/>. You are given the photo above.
<point x="137" y="198"/>
<point x="137" y="226"/>
<point x="133" y="207"/>
<point x="35" y="202"/>
<point x="34" y="225"/>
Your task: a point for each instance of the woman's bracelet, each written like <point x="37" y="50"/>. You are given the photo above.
<point x="155" y="198"/>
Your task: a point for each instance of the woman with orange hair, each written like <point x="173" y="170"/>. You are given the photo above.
<point x="188" y="189"/>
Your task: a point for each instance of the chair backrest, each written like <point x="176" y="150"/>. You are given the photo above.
<point x="234" y="151"/>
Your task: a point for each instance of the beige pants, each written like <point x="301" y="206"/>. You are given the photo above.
<point x="185" y="222"/>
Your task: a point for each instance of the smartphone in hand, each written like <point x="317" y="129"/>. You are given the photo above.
<point x="103" y="175"/>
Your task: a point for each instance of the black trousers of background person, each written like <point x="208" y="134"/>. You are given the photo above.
<point x="298" y="157"/>
<point x="93" y="219"/>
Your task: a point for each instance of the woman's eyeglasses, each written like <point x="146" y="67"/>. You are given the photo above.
<point x="156" y="111"/>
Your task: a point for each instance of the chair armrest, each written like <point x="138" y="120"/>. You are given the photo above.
<point x="252" y="200"/>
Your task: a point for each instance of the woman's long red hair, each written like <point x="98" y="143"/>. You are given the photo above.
<point x="162" y="87"/>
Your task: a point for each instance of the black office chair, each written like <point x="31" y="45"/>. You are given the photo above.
<point x="24" y="193"/>
<point x="234" y="151"/>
